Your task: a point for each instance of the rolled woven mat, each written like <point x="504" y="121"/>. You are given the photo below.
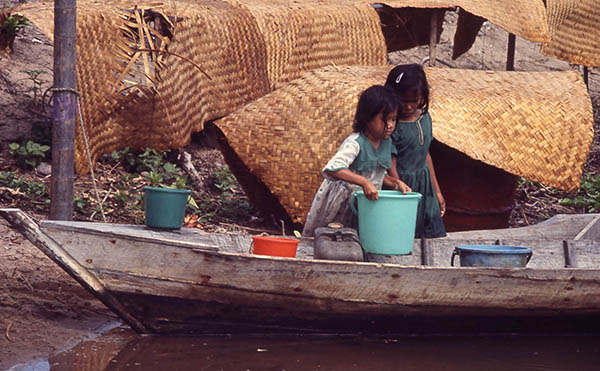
<point x="533" y="124"/>
<point x="575" y="30"/>
<point x="526" y="19"/>
<point x="221" y="55"/>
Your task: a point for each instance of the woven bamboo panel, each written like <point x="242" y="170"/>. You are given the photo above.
<point x="526" y="19"/>
<point x="223" y="54"/>
<point x="575" y="30"/>
<point x="302" y="36"/>
<point x="537" y="125"/>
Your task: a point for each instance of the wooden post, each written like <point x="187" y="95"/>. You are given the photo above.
<point x="510" y="54"/>
<point x="63" y="112"/>
<point x="433" y="37"/>
<point x="585" y="75"/>
<point x="570" y="254"/>
<point x="426" y="252"/>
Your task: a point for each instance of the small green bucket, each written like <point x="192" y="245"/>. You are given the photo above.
<point x="165" y="207"/>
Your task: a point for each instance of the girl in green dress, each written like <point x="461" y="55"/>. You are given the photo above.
<point x="411" y="138"/>
<point x="361" y="162"/>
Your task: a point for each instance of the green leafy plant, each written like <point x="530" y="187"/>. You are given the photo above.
<point x="150" y="160"/>
<point x="36" y="88"/>
<point x="588" y="196"/>
<point x="28" y="154"/>
<point x="229" y="204"/>
<point x="10" y="26"/>
<point x="80" y="205"/>
<point x="156" y="179"/>
<point x="13" y="24"/>
<point x="224" y="179"/>
<point x="32" y="190"/>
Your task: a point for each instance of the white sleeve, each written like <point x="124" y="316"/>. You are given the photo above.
<point x="344" y="157"/>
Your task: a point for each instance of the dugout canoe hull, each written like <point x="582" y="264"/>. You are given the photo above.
<point x="187" y="281"/>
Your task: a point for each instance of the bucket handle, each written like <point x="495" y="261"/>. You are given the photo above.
<point x="529" y="254"/>
<point x="352" y="200"/>
<point x="251" y="250"/>
<point x="454" y="253"/>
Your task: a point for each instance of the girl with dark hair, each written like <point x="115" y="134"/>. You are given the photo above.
<point x="361" y="162"/>
<point x="411" y="139"/>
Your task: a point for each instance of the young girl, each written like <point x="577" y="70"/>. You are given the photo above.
<point x="360" y="162"/>
<point x="411" y="138"/>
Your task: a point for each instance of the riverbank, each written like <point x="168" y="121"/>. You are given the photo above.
<point x="42" y="309"/>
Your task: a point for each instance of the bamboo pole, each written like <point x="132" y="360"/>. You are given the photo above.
<point x="63" y="110"/>
<point x="433" y="31"/>
<point x="510" y="53"/>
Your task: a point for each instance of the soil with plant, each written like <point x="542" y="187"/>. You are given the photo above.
<point x="43" y="310"/>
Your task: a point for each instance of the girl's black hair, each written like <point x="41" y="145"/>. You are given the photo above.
<point x="409" y="79"/>
<point x="374" y="100"/>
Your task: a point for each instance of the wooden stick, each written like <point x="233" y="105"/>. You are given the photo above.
<point x="270" y="231"/>
<point x="426" y="253"/>
<point x="197" y="180"/>
<point x="21" y="222"/>
<point x="7" y="331"/>
<point x="570" y="255"/>
<point x="510" y="53"/>
<point x="433" y="37"/>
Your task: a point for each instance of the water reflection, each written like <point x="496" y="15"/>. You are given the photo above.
<point x="122" y="350"/>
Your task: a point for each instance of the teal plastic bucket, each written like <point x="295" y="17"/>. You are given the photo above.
<point x="165" y="207"/>
<point x="492" y="256"/>
<point x="387" y="225"/>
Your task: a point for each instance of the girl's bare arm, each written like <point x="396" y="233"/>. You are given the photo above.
<point x="393" y="171"/>
<point x="351" y="177"/>
<point x="436" y="186"/>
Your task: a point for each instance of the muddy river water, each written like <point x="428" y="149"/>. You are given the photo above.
<point x="121" y="349"/>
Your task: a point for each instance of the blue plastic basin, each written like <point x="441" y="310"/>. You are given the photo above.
<point x="492" y="256"/>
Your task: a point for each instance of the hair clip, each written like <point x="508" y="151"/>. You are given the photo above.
<point x="399" y="77"/>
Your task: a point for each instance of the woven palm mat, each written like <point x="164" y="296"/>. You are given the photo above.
<point x="575" y="30"/>
<point x="534" y="124"/>
<point x="526" y="19"/>
<point x="222" y="55"/>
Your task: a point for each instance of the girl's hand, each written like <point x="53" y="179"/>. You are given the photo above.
<point x="401" y="186"/>
<point x="370" y="191"/>
<point x="442" y="203"/>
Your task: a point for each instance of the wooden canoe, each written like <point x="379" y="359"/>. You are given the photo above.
<point x="187" y="281"/>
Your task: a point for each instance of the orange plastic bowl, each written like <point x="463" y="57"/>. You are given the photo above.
<point x="275" y="246"/>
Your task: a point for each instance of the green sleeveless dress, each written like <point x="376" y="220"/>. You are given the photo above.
<point x="411" y="140"/>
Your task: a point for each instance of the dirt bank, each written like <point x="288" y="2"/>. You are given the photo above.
<point x="42" y="309"/>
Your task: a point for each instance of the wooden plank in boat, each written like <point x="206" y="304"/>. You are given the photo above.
<point x="141" y="234"/>
<point x="560" y="227"/>
<point x="590" y="231"/>
<point x="587" y="254"/>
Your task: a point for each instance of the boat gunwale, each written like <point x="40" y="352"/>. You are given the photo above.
<point x="77" y="227"/>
